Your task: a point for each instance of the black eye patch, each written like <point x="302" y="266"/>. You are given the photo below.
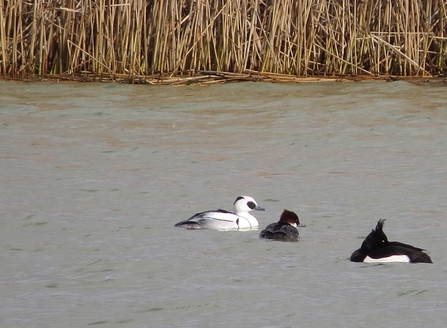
<point x="251" y="205"/>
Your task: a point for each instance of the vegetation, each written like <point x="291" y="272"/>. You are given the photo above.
<point x="150" y="39"/>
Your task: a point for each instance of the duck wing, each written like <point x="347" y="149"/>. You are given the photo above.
<point x="218" y="219"/>
<point x="414" y="254"/>
<point x="398" y="244"/>
<point x="280" y="232"/>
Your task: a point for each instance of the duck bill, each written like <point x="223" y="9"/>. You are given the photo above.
<point x="258" y="208"/>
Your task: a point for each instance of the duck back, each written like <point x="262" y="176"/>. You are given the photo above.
<point x="280" y="232"/>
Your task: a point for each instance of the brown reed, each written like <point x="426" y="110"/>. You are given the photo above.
<point x="165" y="39"/>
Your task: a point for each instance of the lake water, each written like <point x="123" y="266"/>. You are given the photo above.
<point x="93" y="178"/>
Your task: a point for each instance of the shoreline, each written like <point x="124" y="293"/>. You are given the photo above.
<point x="215" y="77"/>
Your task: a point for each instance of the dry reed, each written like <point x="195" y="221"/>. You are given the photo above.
<point x="143" y="41"/>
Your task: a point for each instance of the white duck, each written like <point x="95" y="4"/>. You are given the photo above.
<point x="219" y="219"/>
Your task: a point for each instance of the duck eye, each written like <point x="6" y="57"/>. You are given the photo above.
<point x="383" y="240"/>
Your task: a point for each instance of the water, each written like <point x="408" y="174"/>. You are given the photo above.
<point x="94" y="176"/>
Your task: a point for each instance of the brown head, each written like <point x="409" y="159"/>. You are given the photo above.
<point x="291" y="218"/>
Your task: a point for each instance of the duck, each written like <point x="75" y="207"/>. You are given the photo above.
<point x="220" y="219"/>
<point x="283" y="230"/>
<point x="377" y="249"/>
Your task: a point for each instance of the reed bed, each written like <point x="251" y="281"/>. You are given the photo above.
<point x="156" y="41"/>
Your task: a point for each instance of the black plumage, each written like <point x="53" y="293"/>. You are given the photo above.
<point x="376" y="247"/>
